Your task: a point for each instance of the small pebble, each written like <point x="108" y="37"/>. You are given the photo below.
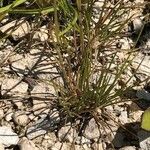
<point x="19" y="104"/>
<point x="128" y="148"/>
<point x="8" y="116"/>
<point x="2" y="146"/>
<point x="8" y="137"/>
<point x="25" y="144"/>
<point x="1" y="113"/>
<point x="20" y="118"/>
<point x="137" y="24"/>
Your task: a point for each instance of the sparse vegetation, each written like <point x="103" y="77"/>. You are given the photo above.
<point x="84" y="51"/>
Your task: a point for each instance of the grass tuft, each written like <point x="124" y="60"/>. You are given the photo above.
<point x="83" y="42"/>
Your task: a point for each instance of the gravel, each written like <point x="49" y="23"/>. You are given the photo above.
<point x="8" y="137"/>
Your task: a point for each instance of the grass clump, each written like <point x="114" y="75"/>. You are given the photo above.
<point x="88" y="80"/>
<point x="85" y="56"/>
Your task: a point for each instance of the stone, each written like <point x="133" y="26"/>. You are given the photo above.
<point x="1" y="113"/>
<point x="147" y="45"/>
<point x="144" y="139"/>
<point x="80" y="140"/>
<point x="33" y="117"/>
<point x="49" y="139"/>
<point x="143" y="94"/>
<point x="40" y="107"/>
<point x="144" y="62"/>
<point x="67" y="134"/>
<point x="109" y="108"/>
<point x="20" y="118"/>
<point x="83" y="147"/>
<point x="137" y="25"/>
<point x="123" y="117"/>
<point x="2" y="146"/>
<point x="43" y="89"/>
<point x="136" y="115"/>
<point x="112" y="125"/>
<point x="8" y="115"/>
<point x="43" y="125"/>
<point x="14" y="86"/>
<point x="42" y="34"/>
<point x="25" y="144"/>
<point x="139" y="1"/>
<point x="18" y="102"/>
<point x="118" y="140"/>
<point x="4" y="122"/>
<point x="18" y="28"/>
<point x="125" y="45"/>
<point x="20" y="63"/>
<point x="92" y="130"/>
<point x="127" y="79"/>
<point x="98" y="146"/>
<point x="62" y="146"/>
<point x="96" y="9"/>
<point x="38" y="129"/>
<point x="128" y="148"/>
<point x="8" y="137"/>
<point x="98" y="4"/>
<point x="118" y="109"/>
